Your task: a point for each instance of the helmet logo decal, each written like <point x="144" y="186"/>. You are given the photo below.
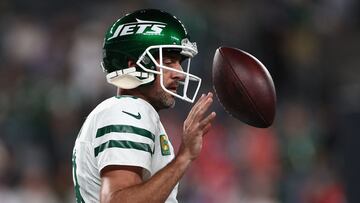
<point x="139" y="27"/>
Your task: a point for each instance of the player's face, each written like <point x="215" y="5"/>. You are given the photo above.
<point x="171" y="80"/>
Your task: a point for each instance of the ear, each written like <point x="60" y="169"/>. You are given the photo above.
<point x="131" y="63"/>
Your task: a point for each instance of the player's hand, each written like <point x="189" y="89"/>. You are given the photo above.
<point x="196" y="125"/>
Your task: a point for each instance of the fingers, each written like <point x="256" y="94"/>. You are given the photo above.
<point x="203" y="104"/>
<point x="206" y="104"/>
<point x="203" y="107"/>
<point x="199" y="105"/>
<point x="206" y="129"/>
<point x="208" y="119"/>
<point x="201" y="99"/>
<point x="207" y="122"/>
<point x="196" y="119"/>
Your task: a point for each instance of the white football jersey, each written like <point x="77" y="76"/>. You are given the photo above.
<point x="122" y="130"/>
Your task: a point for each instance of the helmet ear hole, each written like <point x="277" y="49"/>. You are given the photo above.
<point x="146" y="60"/>
<point x="149" y="65"/>
<point x="131" y="62"/>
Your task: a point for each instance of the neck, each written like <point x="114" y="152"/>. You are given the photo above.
<point x="137" y="93"/>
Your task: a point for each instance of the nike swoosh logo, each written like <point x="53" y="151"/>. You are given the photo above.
<point x="138" y="116"/>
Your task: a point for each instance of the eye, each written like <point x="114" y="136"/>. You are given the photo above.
<point x="168" y="61"/>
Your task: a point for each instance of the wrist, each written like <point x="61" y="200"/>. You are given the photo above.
<point x="183" y="161"/>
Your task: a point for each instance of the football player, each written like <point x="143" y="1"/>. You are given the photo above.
<point x="122" y="153"/>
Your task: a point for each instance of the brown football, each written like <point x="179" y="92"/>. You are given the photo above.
<point x="244" y="87"/>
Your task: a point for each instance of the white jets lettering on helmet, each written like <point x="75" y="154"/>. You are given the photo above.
<point x="139" y="27"/>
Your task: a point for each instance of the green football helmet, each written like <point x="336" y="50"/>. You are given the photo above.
<point x="143" y="36"/>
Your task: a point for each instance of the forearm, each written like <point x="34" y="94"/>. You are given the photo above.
<point x="157" y="188"/>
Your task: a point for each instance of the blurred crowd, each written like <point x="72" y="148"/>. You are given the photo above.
<point x="50" y="80"/>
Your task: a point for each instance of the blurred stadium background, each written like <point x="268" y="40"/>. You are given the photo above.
<point x="50" y="79"/>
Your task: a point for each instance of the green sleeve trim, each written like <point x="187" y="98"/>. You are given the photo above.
<point x="124" y="145"/>
<point x="125" y="129"/>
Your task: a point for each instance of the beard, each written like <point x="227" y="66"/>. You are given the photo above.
<point x="166" y="100"/>
<point x="157" y="96"/>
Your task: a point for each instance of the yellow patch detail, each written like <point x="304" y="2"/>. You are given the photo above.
<point x="165" y="149"/>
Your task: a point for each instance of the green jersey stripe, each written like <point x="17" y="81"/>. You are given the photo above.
<point x="122" y="144"/>
<point x="125" y="129"/>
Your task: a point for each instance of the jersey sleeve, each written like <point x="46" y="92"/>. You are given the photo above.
<point x="124" y="138"/>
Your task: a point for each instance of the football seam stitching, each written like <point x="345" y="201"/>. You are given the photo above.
<point x="245" y="90"/>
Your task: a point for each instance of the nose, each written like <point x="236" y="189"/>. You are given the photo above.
<point x="176" y="75"/>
